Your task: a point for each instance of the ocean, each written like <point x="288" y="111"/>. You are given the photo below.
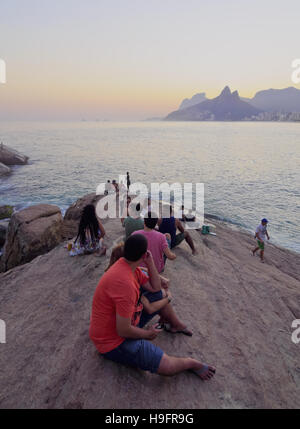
<point x="250" y="170"/>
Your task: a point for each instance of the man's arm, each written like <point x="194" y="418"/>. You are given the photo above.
<point x="154" y="277"/>
<point x="170" y="255"/>
<point x="126" y="330"/>
<point x="102" y="230"/>
<point x="153" y="307"/>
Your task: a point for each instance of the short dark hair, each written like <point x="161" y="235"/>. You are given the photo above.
<point x="135" y="247"/>
<point x="151" y="220"/>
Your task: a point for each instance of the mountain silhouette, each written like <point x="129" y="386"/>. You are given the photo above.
<point x="226" y="107"/>
<point x="196" y="99"/>
<point x="277" y="100"/>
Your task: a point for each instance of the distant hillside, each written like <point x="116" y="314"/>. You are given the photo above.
<point x="196" y="99"/>
<point x="277" y="100"/>
<point x="226" y="107"/>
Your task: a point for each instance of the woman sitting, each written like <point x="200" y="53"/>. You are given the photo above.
<point x="90" y="234"/>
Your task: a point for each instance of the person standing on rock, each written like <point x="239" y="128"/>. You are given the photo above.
<point x="260" y="235"/>
<point x="128" y="180"/>
<point x="118" y="318"/>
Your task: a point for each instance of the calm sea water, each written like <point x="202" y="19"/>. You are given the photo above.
<point x="250" y="170"/>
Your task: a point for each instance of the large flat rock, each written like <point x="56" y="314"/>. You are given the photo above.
<point x="240" y="311"/>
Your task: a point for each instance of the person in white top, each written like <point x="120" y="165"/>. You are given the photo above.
<point x="260" y="235"/>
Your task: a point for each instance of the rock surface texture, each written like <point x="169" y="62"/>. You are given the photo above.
<point x="240" y="312"/>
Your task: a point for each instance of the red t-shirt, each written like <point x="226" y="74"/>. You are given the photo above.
<point x="118" y="292"/>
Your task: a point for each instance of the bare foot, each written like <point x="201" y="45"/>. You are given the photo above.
<point x="102" y="251"/>
<point x="206" y="372"/>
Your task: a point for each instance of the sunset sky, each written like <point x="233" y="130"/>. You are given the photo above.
<point x="133" y="59"/>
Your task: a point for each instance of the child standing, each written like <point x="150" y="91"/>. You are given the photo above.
<point x="260" y="235"/>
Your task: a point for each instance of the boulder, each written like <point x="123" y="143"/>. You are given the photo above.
<point x="9" y="156"/>
<point x="4" y="170"/>
<point x="75" y="210"/>
<point x="6" y="212"/>
<point x="73" y="214"/>
<point x="239" y="310"/>
<point x="32" y="232"/>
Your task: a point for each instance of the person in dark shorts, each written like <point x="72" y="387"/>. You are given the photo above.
<point x="170" y="225"/>
<point x="117" y="323"/>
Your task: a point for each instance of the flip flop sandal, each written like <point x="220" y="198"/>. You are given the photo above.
<point x="185" y="331"/>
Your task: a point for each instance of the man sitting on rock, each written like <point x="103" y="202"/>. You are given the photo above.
<point x="118" y="316"/>
<point x="170" y="225"/>
<point x="157" y="242"/>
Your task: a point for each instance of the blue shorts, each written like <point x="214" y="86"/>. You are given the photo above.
<point x="140" y="354"/>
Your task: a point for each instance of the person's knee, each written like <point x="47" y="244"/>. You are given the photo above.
<point x="166" y="365"/>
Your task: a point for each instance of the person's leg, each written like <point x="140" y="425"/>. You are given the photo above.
<point x="190" y="242"/>
<point x="170" y="365"/>
<point x="262" y="248"/>
<point x="140" y="354"/>
<point x="168" y="315"/>
<point x="255" y="250"/>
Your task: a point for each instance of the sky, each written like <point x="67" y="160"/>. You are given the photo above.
<point x="134" y="59"/>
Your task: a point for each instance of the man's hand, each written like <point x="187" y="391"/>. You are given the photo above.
<point x="148" y="258"/>
<point x="169" y="295"/>
<point x="152" y="332"/>
<point x="165" y="283"/>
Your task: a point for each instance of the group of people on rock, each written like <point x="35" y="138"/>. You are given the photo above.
<point x="115" y="187"/>
<point x="133" y="290"/>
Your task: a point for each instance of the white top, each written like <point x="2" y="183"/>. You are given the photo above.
<point x="261" y="232"/>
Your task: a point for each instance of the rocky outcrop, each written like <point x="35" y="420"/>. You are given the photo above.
<point x="73" y="214"/>
<point x="9" y="156"/>
<point x="32" y="232"/>
<point x="75" y="210"/>
<point x="240" y="311"/>
<point x="4" y="170"/>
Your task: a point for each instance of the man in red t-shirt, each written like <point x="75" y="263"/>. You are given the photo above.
<point x="118" y="317"/>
